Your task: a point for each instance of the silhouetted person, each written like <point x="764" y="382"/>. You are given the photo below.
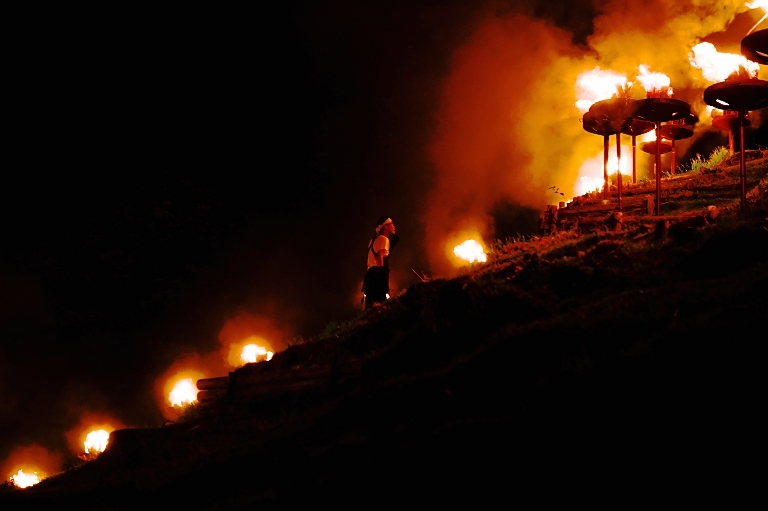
<point x="376" y="282"/>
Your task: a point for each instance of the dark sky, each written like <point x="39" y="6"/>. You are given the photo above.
<point x="173" y="169"/>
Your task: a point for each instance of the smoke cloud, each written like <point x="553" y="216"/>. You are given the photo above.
<point x="507" y="125"/>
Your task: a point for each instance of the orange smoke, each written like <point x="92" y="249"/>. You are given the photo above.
<point x="32" y="459"/>
<point x="478" y="150"/>
<point x="89" y="423"/>
<point x="507" y="127"/>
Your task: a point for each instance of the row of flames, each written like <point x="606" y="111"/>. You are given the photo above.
<point x="591" y="86"/>
<point x="26" y="472"/>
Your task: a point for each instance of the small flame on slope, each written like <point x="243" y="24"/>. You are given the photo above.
<point x="96" y="441"/>
<point x="184" y="392"/>
<point x="23" y="479"/>
<point x="471" y="251"/>
<point x="253" y="352"/>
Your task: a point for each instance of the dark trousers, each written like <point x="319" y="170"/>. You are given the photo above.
<point x="376" y="285"/>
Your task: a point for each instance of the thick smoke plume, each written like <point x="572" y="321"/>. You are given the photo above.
<point x="507" y="124"/>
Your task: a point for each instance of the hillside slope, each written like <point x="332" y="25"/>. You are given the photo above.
<point x="595" y="358"/>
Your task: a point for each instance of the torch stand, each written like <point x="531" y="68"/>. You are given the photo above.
<point x="741" y="95"/>
<point x="634" y="128"/>
<point x="658" y="110"/>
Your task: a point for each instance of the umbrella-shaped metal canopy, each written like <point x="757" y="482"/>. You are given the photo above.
<point x="678" y="130"/>
<point x="658" y="110"/>
<point x="636" y="127"/>
<point x="729" y="122"/>
<point x="742" y="95"/>
<point x="610" y="117"/>
<point x="755" y="46"/>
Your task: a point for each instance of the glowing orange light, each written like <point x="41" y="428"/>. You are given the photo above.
<point x="655" y="84"/>
<point x="586" y="184"/>
<point x="253" y="353"/>
<point x="96" y="441"/>
<point x="471" y="251"/>
<point x="597" y="85"/>
<point x="716" y="66"/>
<point x="24" y="479"/>
<point x="184" y="392"/>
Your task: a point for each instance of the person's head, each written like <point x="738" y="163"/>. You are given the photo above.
<point x="385" y="225"/>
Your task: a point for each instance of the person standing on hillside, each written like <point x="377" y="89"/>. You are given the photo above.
<point x="376" y="281"/>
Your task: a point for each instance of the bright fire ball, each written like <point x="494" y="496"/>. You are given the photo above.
<point x="253" y="352"/>
<point x="96" y="441"/>
<point x="470" y="251"/>
<point x="23" y="480"/>
<point x="184" y="392"/>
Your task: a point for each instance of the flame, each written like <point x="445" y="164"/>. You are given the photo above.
<point x="184" y="392"/>
<point x="758" y="4"/>
<point x="648" y="137"/>
<point x="471" y="251"/>
<point x="586" y="184"/>
<point x="655" y="84"/>
<point x="716" y="66"/>
<point x="253" y="352"/>
<point x="23" y="479"/>
<point x="597" y="85"/>
<point x="591" y="170"/>
<point x="96" y="441"/>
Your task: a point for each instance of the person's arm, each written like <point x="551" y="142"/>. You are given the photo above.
<point x="381" y="247"/>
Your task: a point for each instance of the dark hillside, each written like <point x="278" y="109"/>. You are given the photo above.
<point x="596" y="358"/>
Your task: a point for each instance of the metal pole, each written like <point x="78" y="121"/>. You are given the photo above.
<point x="605" y="167"/>
<point x="634" y="159"/>
<point x="672" y="165"/>
<point x="658" y="168"/>
<point x="730" y="141"/>
<point x="742" y="166"/>
<point x="618" y="171"/>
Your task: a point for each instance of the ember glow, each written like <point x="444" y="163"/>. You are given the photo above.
<point x="471" y="251"/>
<point x="23" y="479"/>
<point x="96" y="441"/>
<point x="591" y="170"/>
<point x="255" y="353"/>
<point x="597" y="85"/>
<point x="716" y="66"/>
<point x="184" y="392"/>
<point x="656" y="85"/>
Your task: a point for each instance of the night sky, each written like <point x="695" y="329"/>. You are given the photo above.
<point x="172" y="170"/>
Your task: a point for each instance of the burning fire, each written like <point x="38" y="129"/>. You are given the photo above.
<point x="758" y="4"/>
<point x="586" y="184"/>
<point x="471" y="251"/>
<point x="23" y="479"/>
<point x="597" y="85"/>
<point x="716" y="66"/>
<point x="656" y="85"/>
<point x="184" y="392"/>
<point x="96" y="441"/>
<point x="253" y="352"/>
<point x="591" y="170"/>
